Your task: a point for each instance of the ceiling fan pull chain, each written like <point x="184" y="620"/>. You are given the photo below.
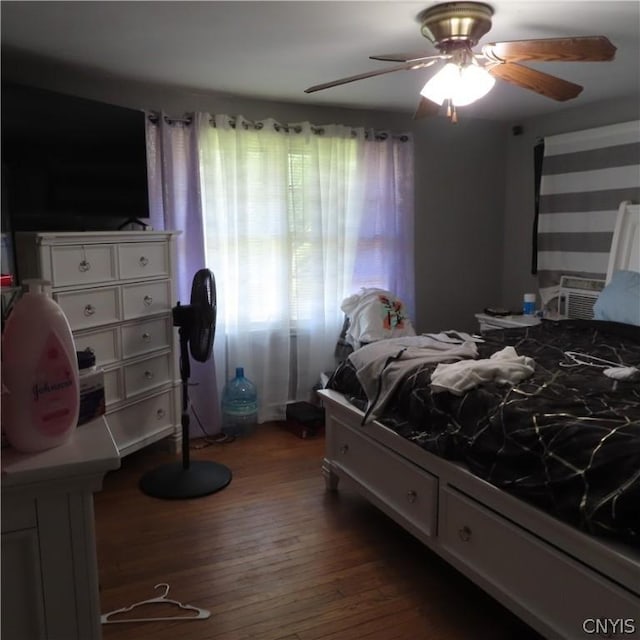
<point x="452" y="114"/>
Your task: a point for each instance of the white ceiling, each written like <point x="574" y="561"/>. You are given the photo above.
<point x="275" y="50"/>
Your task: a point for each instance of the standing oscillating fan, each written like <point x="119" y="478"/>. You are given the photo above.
<point x="197" y="323"/>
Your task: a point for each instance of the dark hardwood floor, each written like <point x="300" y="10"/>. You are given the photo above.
<point x="274" y="556"/>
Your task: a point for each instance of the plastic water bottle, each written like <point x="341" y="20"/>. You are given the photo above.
<point x="529" y="304"/>
<point x="239" y="405"/>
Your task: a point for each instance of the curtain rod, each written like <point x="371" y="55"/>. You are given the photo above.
<point x="187" y="119"/>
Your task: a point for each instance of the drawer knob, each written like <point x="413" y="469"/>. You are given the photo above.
<point x="412" y="496"/>
<point x="143" y="261"/>
<point x="148" y="374"/>
<point x="148" y="301"/>
<point x="146" y="336"/>
<point x="344" y="448"/>
<point x="84" y="265"/>
<point x="89" y="310"/>
<point x="160" y="413"/>
<point x="465" y="533"/>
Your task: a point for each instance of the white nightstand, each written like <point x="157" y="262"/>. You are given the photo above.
<point x="488" y="323"/>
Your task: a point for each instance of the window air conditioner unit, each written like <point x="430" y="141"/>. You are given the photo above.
<point x="577" y="296"/>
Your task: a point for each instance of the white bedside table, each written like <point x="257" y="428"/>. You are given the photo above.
<point x="488" y="323"/>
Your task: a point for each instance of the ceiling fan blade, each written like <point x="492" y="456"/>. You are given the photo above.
<point x="426" y="108"/>
<point x="400" y="57"/>
<point x="369" y="74"/>
<point x="580" y="49"/>
<point x="543" y="83"/>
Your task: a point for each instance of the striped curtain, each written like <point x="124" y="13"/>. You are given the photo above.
<point x="585" y="176"/>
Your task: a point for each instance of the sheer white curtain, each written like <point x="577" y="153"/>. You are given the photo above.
<point x="281" y="208"/>
<point x="291" y="220"/>
<point x="175" y="204"/>
<point x="385" y="254"/>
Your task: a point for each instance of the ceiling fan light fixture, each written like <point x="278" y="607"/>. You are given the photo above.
<point x="475" y="83"/>
<point x="460" y="84"/>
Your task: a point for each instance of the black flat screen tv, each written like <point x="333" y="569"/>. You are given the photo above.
<point x="69" y="163"/>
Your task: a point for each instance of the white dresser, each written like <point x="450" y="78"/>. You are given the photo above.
<point x="117" y="291"/>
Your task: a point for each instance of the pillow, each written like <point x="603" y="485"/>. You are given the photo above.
<point x="620" y="299"/>
<point x="375" y="314"/>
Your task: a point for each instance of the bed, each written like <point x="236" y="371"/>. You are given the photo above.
<point x="531" y="489"/>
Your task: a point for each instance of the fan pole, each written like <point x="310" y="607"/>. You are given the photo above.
<point x="188" y="479"/>
<point x="185" y="374"/>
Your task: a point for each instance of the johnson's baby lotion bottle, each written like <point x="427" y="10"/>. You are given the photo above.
<point x="39" y="372"/>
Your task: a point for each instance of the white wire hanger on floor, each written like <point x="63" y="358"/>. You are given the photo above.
<point x="201" y="614"/>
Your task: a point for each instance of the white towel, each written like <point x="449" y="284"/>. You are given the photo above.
<point x="504" y="367"/>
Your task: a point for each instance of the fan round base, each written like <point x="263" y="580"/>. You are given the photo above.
<point x="173" y="482"/>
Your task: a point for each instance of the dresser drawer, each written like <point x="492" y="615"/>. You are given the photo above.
<point x="146" y="299"/>
<point x="90" y="308"/>
<point x="83" y="264"/>
<point x="411" y="491"/>
<point x="113" y="389"/>
<point x="147" y="374"/>
<point x="139" y="424"/>
<point x="143" y="260"/>
<point x="563" y="592"/>
<point x="104" y="344"/>
<point x="144" y="337"/>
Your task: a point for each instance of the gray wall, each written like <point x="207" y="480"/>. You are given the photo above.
<point x="460" y="173"/>
<point x="460" y="177"/>
<point x="519" y="184"/>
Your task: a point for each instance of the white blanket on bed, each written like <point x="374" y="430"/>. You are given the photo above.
<point x="381" y="366"/>
<point x="504" y="367"/>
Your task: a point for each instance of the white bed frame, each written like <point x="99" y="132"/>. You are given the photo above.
<point x="561" y="581"/>
<point x="625" y="246"/>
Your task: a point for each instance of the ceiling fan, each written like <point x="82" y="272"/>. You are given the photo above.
<point x="455" y="28"/>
